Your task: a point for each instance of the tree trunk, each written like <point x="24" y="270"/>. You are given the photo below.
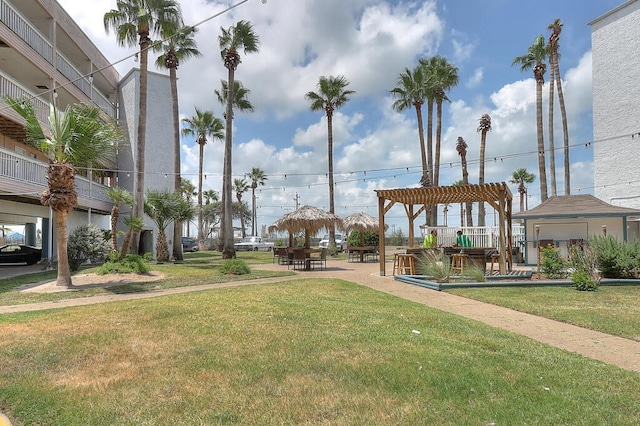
<point x="228" y="250"/>
<point x="162" y="248"/>
<point x="64" y="271"/>
<point x="332" y="230"/>
<point x="138" y="205"/>
<point x="177" y="226"/>
<point x="254" y="226"/>
<point x="423" y="152"/>
<point x="565" y="130"/>
<point x="481" y="210"/>
<point x="541" y="158"/>
<point x="115" y="215"/>
<point x="428" y="216"/>
<point x="201" y="245"/>
<point x="552" y="151"/>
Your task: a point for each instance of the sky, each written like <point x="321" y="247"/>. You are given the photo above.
<point x="370" y="42"/>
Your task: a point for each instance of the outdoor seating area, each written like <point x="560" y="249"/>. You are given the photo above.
<point x="302" y="259"/>
<point x="363" y="254"/>
<point x="460" y="259"/>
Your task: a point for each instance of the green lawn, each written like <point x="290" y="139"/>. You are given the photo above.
<point x="612" y="309"/>
<point x="314" y="351"/>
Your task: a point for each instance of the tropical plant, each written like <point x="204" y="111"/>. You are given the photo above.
<point x="331" y="95"/>
<point x="461" y="147"/>
<point x="484" y="127"/>
<point x="584" y="261"/>
<point x="240" y="100"/>
<point x="554" y="59"/>
<point x="534" y="59"/>
<point x="134" y="22"/>
<point x="410" y="92"/>
<point x="87" y="243"/>
<point x="209" y="195"/>
<point x="231" y="40"/>
<point x="435" y="265"/>
<point x="240" y="186"/>
<point x="522" y="176"/>
<point x="165" y="208"/>
<point x="201" y="125"/>
<point x="616" y="259"/>
<point x="135" y="225"/>
<point x="257" y="177"/>
<point x="178" y="45"/>
<point x="80" y="137"/>
<point x="552" y="264"/>
<point x="119" y="196"/>
<point x="188" y="191"/>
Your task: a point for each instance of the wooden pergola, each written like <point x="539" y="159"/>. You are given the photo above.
<point x="497" y="195"/>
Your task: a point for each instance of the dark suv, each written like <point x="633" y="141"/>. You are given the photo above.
<point x="189" y="244"/>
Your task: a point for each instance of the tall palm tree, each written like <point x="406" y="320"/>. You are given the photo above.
<point x="134" y="22"/>
<point x="201" y="125"/>
<point x="164" y="208"/>
<point x="556" y="29"/>
<point x="331" y="95"/>
<point x="178" y="46"/>
<point x="550" y="135"/>
<point x="80" y="137"/>
<point x="231" y="40"/>
<point x="410" y="92"/>
<point x="257" y="177"/>
<point x="240" y="186"/>
<point x="209" y="195"/>
<point x="484" y="127"/>
<point x="187" y="190"/>
<point x="240" y="96"/>
<point x="119" y="196"/>
<point x="534" y="59"/>
<point x="522" y="176"/>
<point x="461" y="147"/>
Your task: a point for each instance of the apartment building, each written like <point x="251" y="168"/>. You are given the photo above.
<point x="45" y="56"/>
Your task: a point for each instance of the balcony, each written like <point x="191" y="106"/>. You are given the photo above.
<point x="25" y="179"/>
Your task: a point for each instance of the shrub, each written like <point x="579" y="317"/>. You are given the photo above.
<point x="552" y="264"/>
<point x="585" y="275"/>
<point x="370" y="239"/>
<point x="279" y="243"/>
<point x="87" y="243"/>
<point x="616" y="259"/>
<point x="131" y="263"/>
<point x="434" y="264"/>
<point x="234" y="267"/>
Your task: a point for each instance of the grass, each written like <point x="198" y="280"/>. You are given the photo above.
<point x="612" y="309"/>
<point x="314" y="351"/>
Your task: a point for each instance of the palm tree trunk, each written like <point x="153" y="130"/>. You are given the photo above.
<point x="481" y="210"/>
<point x="565" y="130"/>
<point x="138" y="205"/>
<point x="254" y="226"/>
<point x="332" y="231"/>
<point x="541" y="157"/>
<point x="177" y="226"/>
<point x="242" y="227"/>
<point x="228" y="250"/>
<point x="201" y="245"/>
<point x="423" y="152"/>
<point x="552" y="151"/>
<point x="64" y="271"/>
<point x="522" y="191"/>
<point x="115" y="215"/>
<point x="428" y="216"/>
<point x="436" y="165"/>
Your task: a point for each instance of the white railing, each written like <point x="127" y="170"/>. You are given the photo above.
<point x="480" y="236"/>
<point x="28" y="170"/>
<point x="9" y="87"/>
<point x="14" y="20"/>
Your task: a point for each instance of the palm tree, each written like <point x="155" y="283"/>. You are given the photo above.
<point x="240" y="96"/>
<point x="209" y="195"/>
<point x="534" y="59"/>
<point x="201" y="125"/>
<point x="484" y="127"/>
<point x="522" y="176"/>
<point x="177" y="47"/>
<point x="119" y="196"/>
<point x="80" y="137"/>
<point x="442" y="77"/>
<point x="556" y="28"/>
<point x="461" y="147"/>
<point x="240" y="186"/>
<point x="187" y="190"/>
<point x="133" y="22"/>
<point x="332" y="94"/>
<point x="410" y="92"/>
<point x="164" y="208"/>
<point x="257" y="177"/>
<point x="550" y="136"/>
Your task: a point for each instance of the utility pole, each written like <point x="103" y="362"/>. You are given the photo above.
<point x="297" y="200"/>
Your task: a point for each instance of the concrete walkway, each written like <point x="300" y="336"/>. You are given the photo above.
<point x="609" y="349"/>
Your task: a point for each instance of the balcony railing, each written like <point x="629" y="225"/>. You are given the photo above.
<point x="14" y="20"/>
<point x="11" y="88"/>
<point x="33" y="172"/>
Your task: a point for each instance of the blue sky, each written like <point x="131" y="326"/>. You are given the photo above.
<point x="370" y="42"/>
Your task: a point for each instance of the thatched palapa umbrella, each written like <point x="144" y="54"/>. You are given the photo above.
<point x="308" y="218"/>
<point x="361" y="222"/>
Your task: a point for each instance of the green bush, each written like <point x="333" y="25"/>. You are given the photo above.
<point x="582" y="281"/>
<point x="131" y="263"/>
<point x="87" y="243"/>
<point x="371" y="239"/>
<point x="585" y="275"/>
<point x="235" y="267"/>
<point x="616" y="259"/>
<point x="552" y="264"/>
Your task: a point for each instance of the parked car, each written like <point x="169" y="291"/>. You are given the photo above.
<point x="15" y="253"/>
<point x="253" y="244"/>
<point x="341" y="243"/>
<point x="189" y="244"/>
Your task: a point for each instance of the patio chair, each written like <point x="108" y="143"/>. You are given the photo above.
<point x="282" y="255"/>
<point x="299" y="259"/>
<point x="322" y="259"/>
